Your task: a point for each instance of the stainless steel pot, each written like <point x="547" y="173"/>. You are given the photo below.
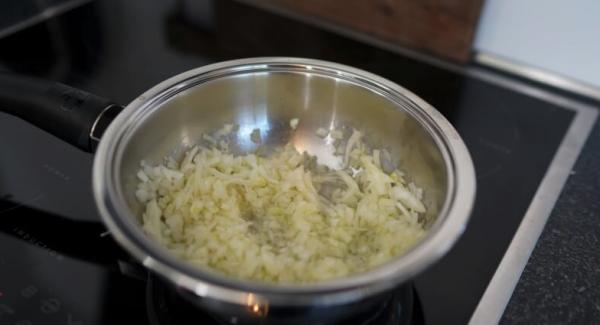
<point x="266" y="93"/>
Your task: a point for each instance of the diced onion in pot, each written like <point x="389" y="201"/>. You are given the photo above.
<point x="282" y="217"/>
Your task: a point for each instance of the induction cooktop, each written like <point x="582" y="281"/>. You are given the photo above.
<point x="58" y="265"/>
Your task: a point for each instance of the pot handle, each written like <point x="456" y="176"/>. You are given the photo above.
<point x="70" y="114"/>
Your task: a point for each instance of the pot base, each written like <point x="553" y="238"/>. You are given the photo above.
<point x="166" y="307"/>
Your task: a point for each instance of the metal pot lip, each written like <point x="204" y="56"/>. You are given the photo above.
<point x="440" y="238"/>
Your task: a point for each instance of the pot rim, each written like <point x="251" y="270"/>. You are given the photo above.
<point x="441" y="236"/>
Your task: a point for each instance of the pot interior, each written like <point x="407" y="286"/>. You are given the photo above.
<point x="268" y="101"/>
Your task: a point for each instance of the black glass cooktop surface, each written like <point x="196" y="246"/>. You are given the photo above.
<point x="56" y="268"/>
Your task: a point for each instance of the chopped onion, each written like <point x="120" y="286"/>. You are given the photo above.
<point x="282" y="217"/>
<point x="294" y="123"/>
<point x="321" y="132"/>
<point x="255" y="136"/>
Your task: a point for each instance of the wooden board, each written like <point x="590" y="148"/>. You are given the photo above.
<point x="443" y="27"/>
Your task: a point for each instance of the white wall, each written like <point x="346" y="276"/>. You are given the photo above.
<point x="561" y="36"/>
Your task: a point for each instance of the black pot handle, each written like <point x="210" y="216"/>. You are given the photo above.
<point x="70" y="114"/>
